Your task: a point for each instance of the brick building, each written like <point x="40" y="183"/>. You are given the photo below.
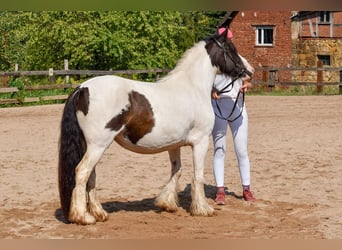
<point x="263" y="37"/>
<point x="317" y="24"/>
<point x="316" y="36"/>
<point x="288" y="38"/>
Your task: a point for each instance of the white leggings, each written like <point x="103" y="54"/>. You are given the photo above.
<point x="239" y="130"/>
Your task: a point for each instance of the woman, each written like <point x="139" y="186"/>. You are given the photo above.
<point x="230" y="110"/>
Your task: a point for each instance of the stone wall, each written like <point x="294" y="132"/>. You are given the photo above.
<point x="305" y="53"/>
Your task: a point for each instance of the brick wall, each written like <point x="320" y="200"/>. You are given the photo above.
<point x="278" y="55"/>
<point x="338" y="24"/>
<point x="322" y="30"/>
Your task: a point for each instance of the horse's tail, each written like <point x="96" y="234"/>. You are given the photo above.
<point x="72" y="147"/>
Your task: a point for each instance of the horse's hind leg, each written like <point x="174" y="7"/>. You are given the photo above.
<point x="168" y="198"/>
<point x="94" y="206"/>
<point x="78" y="207"/>
<point x="199" y="205"/>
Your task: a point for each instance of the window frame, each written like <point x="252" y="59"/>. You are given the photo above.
<point x="326" y="15"/>
<point x="261" y="29"/>
<point x="325" y="58"/>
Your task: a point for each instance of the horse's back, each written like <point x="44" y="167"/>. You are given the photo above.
<point x="150" y="116"/>
<point x="105" y="86"/>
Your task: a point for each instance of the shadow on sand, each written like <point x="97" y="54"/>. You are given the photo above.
<point x="147" y="204"/>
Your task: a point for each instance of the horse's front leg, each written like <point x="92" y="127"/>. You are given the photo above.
<point x="94" y="206"/>
<point x="78" y="206"/>
<point x="168" y="198"/>
<point x="199" y="204"/>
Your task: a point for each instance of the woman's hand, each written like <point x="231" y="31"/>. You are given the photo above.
<point x="246" y="85"/>
<point x="214" y="94"/>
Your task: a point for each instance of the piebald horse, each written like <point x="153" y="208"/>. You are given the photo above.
<point x="145" y="118"/>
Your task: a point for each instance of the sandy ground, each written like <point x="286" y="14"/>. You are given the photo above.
<point x="295" y="147"/>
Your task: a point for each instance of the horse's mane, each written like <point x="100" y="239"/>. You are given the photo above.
<point x="229" y="64"/>
<point x="187" y="56"/>
<point x="186" y="60"/>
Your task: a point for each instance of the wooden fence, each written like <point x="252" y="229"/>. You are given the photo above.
<point x="51" y="74"/>
<point x="268" y="77"/>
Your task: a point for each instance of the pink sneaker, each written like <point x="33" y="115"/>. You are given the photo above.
<point x="248" y="196"/>
<point x="220" y="196"/>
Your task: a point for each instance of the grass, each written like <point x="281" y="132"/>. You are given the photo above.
<point x="299" y="90"/>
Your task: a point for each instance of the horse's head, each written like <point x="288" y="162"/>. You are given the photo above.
<point x="225" y="57"/>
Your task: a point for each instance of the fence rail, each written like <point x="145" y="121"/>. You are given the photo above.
<point x="269" y="78"/>
<point x="52" y="72"/>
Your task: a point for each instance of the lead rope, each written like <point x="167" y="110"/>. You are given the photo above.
<point x="224" y="90"/>
<point x="220" y="116"/>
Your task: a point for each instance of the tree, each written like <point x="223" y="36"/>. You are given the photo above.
<point x="12" y="39"/>
<point x="100" y="40"/>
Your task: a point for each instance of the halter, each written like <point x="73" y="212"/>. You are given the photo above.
<point x="231" y="85"/>
<point x="225" y="54"/>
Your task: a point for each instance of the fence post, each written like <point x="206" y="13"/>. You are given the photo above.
<point x="340" y="85"/>
<point x="265" y="74"/>
<point x="319" y="77"/>
<point x="66" y="67"/>
<point x="51" y="76"/>
<point x="272" y="78"/>
<point x="4" y="81"/>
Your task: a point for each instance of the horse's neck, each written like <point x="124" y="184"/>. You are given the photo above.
<point x="196" y="66"/>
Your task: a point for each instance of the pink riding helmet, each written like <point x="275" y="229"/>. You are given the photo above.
<point x="223" y="29"/>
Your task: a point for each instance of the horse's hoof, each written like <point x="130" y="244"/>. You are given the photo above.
<point x="207" y="211"/>
<point x="101" y="217"/>
<point x="86" y="219"/>
<point x="96" y="210"/>
<point x="171" y="208"/>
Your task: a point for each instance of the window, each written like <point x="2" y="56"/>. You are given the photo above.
<point x="324" y="17"/>
<point x="325" y="59"/>
<point x="264" y="35"/>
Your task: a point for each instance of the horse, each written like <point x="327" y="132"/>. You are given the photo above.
<point x="146" y="118"/>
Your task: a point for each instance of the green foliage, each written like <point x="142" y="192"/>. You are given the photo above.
<point x="100" y="40"/>
<point x="117" y="40"/>
<point x="13" y="38"/>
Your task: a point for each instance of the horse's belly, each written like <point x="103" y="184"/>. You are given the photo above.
<point x="144" y="148"/>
